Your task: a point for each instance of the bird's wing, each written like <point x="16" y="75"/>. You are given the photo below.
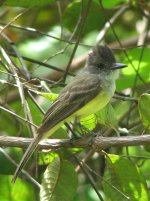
<point x="79" y="92"/>
<point x="74" y="96"/>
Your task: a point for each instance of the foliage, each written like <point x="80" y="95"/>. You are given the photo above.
<point x="129" y="184"/>
<point x="20" y="191"/>
<point x="37" y="42"/>
<point x="59" y="181"/>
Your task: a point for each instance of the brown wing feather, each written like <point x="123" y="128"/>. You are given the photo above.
<point x="74" y="96"/>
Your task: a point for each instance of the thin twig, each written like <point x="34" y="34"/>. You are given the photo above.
<point x="58" y="2"/>
<point x="90" y="178"/>
<point x="40" y="63"/>
<point x="102" y="178"/>
<point x="70" y="39"/>
<point x="86" y="158"/>
<point x="35" y="102"/>
<point x="114" y="32"/>
<point x="13" y="20"/>
<point x="11" y="43"/>
<point x="20" y="88"/>
<point x="144" y="37"/>
<point x="23" y="171"/>
<point x="33" y="30"/>
<point x="81" y="28"/>
<point x="124" y="98"/>
<point x="107" y="25"/>
<point x="19" y="117"/>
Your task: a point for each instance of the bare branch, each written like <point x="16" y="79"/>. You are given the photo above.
<point x="97" y="143"/>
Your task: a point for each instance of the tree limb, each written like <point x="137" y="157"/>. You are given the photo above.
<point x="97" y="143"/>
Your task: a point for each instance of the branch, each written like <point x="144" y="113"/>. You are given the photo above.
<point x="97" y="143"/>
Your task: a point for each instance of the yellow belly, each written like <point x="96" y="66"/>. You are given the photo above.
<point x="93" y="106"/>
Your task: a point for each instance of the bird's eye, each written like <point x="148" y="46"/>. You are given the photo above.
<point x="100" y="65"/>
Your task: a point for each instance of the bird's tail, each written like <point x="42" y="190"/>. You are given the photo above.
<point x="27" y="156"/>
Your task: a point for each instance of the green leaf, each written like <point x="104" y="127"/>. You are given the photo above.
<point x="111" y="4"/>
<point x="46" y="158"/>
<point x="125" y="179"/>
<point x="28" y="3"/>
<point x="18" y="191"/>
<point x="59" y="182"/>
<point x="144" y="108"/>
<point x="50" y="96"/>
<point x="89" y="121"/>
<point x="129" y="74"/>
<point x="94" y="21"/>
<point x="107" y="117"/>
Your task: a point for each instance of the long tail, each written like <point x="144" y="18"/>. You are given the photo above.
<point x="26" y="156"/>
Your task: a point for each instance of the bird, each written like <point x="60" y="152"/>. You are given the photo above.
<point x="87" y="93"/>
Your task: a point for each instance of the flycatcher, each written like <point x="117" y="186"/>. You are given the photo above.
<point x="87" y="93"/>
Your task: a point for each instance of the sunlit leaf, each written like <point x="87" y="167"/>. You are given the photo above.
<point x="89" y="121"/>
<point x="46" y="158"/>
<point x="144" y="108"/>
<point x="129" y="74"/>
<point x="59" y="182"/>
<point x="125" y="180"/>
<point x="107" y="117"/>
<point x="50" y="96"/>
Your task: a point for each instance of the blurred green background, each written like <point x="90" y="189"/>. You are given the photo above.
<point x="45" y="34"/>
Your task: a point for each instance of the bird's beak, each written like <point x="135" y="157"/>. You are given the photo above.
<point x="118" y="66"/>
